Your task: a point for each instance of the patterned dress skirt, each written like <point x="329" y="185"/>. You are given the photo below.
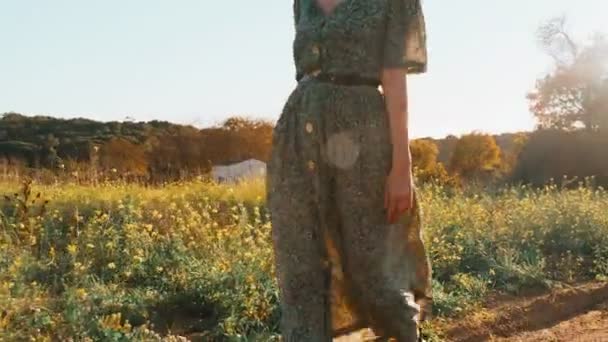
<point x="340" y="265"/>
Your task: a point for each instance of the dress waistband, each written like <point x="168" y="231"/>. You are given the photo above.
<point x="340" y="79"/>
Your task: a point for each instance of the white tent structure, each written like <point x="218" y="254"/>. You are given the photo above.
<point x="251" y="168"/>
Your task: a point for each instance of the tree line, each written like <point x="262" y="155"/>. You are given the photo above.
<point x="153" y="151"/>
<point x="570" y="105"/>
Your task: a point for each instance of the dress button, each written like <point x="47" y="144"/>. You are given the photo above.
<point x="309" y="128"/>
<point x="315" y="50"/>
<point x="311" y="165"/>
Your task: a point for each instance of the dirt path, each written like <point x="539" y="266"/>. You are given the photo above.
<point x="588" y="327"/>
<point x="574" y="314"/>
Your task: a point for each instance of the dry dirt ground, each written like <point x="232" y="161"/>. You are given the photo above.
<point x="577" y="313"/>
<point x="591" y="326"/>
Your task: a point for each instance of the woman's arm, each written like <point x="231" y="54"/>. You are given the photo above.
<point x="398" y="195"/>
<point x="404" y="53"/>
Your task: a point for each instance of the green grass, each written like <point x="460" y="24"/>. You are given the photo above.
<point x="122" y="262"/>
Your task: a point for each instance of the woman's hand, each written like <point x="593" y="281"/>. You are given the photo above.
<point x="398" y="195"/>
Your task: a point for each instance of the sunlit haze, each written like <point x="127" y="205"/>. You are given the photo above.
<point x="199" y="62"/>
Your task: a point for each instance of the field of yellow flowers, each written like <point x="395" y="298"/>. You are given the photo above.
<point x="123" y="262"/>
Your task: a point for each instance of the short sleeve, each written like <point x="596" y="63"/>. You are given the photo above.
<point x="405" y="41"/>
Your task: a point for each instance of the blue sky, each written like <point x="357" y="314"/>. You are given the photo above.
<point x="201" y="61"/>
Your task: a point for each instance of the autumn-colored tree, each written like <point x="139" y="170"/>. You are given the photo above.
<point x="475" y="155"/>
<point x="217" y="147"/>
<point x="237" y="139"/>
<point x="178" y="154"/>
<point x="123" y="157"/>
<point x="575" y="94"/>
<point x="251" y="138"/>
<point x="424" y="160"/>
<point x="424" y="153"/>
<point x="446" y="148"/>
<point x="511" y="155"/>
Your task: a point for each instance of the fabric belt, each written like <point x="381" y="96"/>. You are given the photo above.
<point x="340" y="79"/>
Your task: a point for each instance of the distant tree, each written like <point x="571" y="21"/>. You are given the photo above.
<point x="475" y="155"/>
<point x="251" y="138"/>
<point x="177" y="155"/>
<point x="49" y="152"/>
<point x="446" y="148"/>
<point x="237" y="139"/>
<point x="511" y="156"/>
<point x="575" y="94"/>
<point x="12" y="116"/>
<point x="424" y="153"/>
<point x="123" y="157"/>
<point x="425" y="164"/>
<point x="217" y="146"/>
<point x="553" y="154"/>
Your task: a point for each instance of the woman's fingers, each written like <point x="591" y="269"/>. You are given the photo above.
<point x="393" y="210"/>
<point x="404" y="205"/>
<point x="398" y="207"/>
<point x="396" y="203"/>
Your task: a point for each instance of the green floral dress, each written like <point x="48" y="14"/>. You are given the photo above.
<point x="340" y="265"/>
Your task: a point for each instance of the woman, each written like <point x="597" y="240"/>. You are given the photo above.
<point x="344" y="209"/>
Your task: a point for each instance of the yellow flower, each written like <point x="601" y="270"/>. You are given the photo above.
<point x="90" y="245"/>
<point x="111" y="265"/>
<point x="81" y="293"/>
<point x="159" y="269"/>
<point x="113" y="322"/>
<point x="72" y="249"/>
